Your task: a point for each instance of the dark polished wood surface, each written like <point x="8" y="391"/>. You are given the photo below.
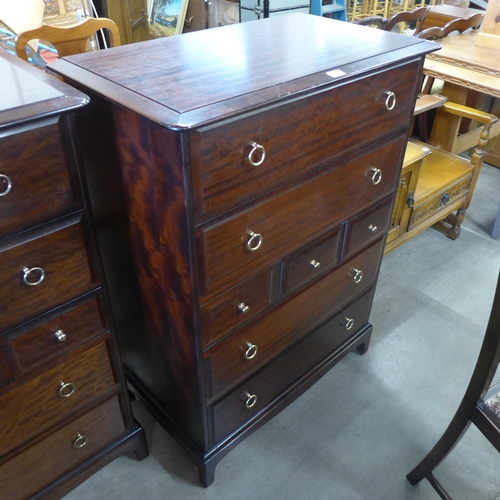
<point x="204" y="315"/>
<point x="62" y="389"/>
<point x="188" y="80"/>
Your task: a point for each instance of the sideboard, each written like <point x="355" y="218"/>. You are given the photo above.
<point x="242" y="203"/>
<point x="64" y="405"/>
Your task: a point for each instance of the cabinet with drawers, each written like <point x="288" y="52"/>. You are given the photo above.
<point x="242" y="204"/>
<point x="63" y="403"/>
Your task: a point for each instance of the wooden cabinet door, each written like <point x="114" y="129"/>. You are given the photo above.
<point x="130" y="16"/>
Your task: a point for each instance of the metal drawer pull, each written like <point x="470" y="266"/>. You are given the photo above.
<point x="66" y="390"/>
<point x="251" y="352"/>
<point x="390" y="100"/>
<point x="357" y="275"/>
<point x="254" y="242"/>
<point x="372" y="228"/>
<point x="259" y="151"/>
<point x="60" y="336"/>
<point x="8" y="184"/>
<point x="80" y="441"/>
<point x="376" y="175"/>
<point x="243" y="308"/>
<point x="348" y="323"/>
<point x="33" y="271"/>
<point x="250" y="401"/>
<point x="314" y="263"/>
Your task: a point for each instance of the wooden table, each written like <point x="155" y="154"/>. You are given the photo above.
<point x="464" y="66"/>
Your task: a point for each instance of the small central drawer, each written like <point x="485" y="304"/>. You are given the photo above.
<point x="229" y="167"/>
<point x="53" y="338"/>
<point x="40" y="274"/>
<point x="52" y="396"/>
<point x="35" y="184"/>
<point x="236" y="247"/>
<point x="254" y="394"/>
<point x="37" y="467"/>
<point x="247" y="349"/>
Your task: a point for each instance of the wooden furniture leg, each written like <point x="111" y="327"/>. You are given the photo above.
<point x="469" y="410"/>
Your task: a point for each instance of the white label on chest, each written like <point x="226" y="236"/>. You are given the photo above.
<point x="334" y="73"/>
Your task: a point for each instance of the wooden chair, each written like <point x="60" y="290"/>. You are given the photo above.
<point x="377" y="22"/>
<point x="68" y="40"/>
<point x="480" y="405"/>
<point x="404" y="18"/>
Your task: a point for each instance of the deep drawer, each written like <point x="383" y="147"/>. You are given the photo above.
<point x="57" y="455"/>
<point x="293" y="218"/>
<point x="295" y="140"/>
<point x="62" y="257"/>
<point x="238" y="306"/>
<point x="311" y="261"/>
<point x="368" y="226"/>
<point x="33" y="163"/>
<point x="227" y="362"/>
<point x="30" y="408"/>
<point x="53" y="338"/>
<point x="268" y="384"/>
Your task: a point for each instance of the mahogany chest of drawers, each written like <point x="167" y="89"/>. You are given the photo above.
<point x="64" y="411"/>
<point x="242" y="204"/>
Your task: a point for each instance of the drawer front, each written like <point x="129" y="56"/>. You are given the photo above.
<point x="294" y="139"/>
<point x="31" y="471"/>
<point x="311" y="261"/>
<point x="43" y="401"/>
<point x="268" y="384"/>
<point x="62" y="257"/>
<point x="368" y="226"/>
<point x="227" y="362"/>
<point x="293" y="218"/>
<point x="238" y="306"/>
<point x="33" y="164"/>
<point x="53" y="338"/>
<point x="455" y="195"/>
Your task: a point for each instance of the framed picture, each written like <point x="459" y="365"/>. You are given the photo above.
<point x="166" y="17"/>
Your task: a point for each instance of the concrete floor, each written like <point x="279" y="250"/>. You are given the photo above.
<point x="357" y="432"/>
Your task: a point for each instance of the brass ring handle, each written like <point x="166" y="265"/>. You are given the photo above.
<point x="80" y="441"/>
<point x="348" y="323"/>
<point x="8" y="184"/>
<point x="260" y="150"/>
<point x="376" y="175"/>
<point x="255" y="241"/>
<point x="66" y="389"/>
<point x="372" y="228"/>
<point x="250" y="400"/>
<point x="33" y="271"/>
<point x="251" y="352"/>
<point x="390" y="100"/>
<point x="314" y="263"/>
<point x="60" y="335"/>
<point x="357" y="275"/>
<point x="243" y="308"/>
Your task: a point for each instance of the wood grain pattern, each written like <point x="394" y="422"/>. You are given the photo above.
<point x="20" y="477"/>
<point x="62" y="256"/>
<point x="293" y="320"/>
<point x="285" y="221"/>
<point x="35" y="406"/>
<point x="231" y="412"/>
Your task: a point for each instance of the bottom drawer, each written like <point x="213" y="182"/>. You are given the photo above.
<point x="56" y="455"/>
<point x="247" y="400"/>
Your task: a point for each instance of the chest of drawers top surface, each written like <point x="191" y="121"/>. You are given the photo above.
<point x="27" y="93"/>
<point x="203" y="76"/>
